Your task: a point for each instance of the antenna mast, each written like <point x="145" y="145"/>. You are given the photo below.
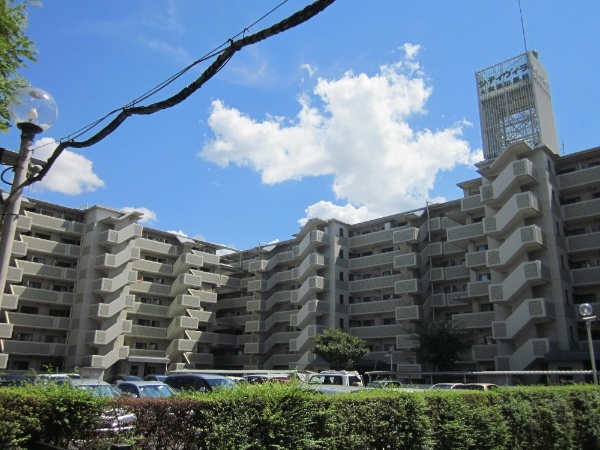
<point x="522" y="26"/>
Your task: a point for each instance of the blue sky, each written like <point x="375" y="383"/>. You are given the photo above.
<point x="368" y="109"/>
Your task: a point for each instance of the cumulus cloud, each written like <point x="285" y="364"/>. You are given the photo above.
<point x="71" y="174"/>
<point x="178" y="233"/>
<point x="149" y="215"/>
<point x="361" y="135"/>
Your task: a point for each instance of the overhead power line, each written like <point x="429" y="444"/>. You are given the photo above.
<point x="224" y="56"/>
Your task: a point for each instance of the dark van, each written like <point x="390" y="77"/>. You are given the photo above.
<point x="197" y="382"/>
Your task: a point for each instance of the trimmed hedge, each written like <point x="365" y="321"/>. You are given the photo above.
<point x="279" y="416"/>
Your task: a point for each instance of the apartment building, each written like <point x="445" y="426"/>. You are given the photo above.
<point x="511" y="260"/>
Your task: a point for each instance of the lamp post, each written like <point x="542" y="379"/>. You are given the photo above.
<point x="390" y="355"/>
<point x="33" y="111"/>
<point x="585" y="309"/>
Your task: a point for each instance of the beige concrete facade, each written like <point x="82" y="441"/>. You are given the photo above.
<point x="94" y="289"/>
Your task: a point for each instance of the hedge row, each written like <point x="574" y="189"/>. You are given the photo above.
<point x="285" y="417"/>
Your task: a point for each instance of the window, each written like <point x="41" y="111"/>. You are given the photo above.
<point x="42" y="236"/>
<point x="58" y="313"/>
<point x="25" y="337"/>
<point x="69" y="241"/>
<point x="141" y="345"/>
<point x="450" y="289"/>
<point x="569" y="201"/>
<point x="486" y="307"/>
<point x="484" y="277"/>
<point x="37" y="259"/>
<point x="477" y="219"/>
<point x="386" y="273"/>
<point x="481" y="248"/>
<point x="387" y="250"/>
<point x="34" y="284"/>
<point x="341" y="299"/>
<point x="341" y="253"/>
<point x="144" y="322"/>
<point x="28" y="309"/>
<point x="368" y="323"/>
<point x="341" y="276"/>
<point x="342" y="324"/>
<point x="389" y="321"/>
<point x="341" y="232"/>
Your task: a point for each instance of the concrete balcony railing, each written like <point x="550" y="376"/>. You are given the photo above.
<point x="142" y="331"/>
<point x="579" y="179"/>
<point x="515" y="211"/>
<point x="41" y="296"/>
<point x="408" y="261"/>
<point x="265" y="265"/>
<point x="187" y="261"/>
<point x="583" y="242"/>
<point x="375" y="307"/>
<point x="184" y="282"/>
<point x="309" y="289"/>
<point x="378" y="260"/>
<point x="408" y="286"/>
<point x="521" y="241"/>
<point x="514" y="176"/>
<point x="530" y="312"/>
<point x="149" y="310"/>
<point x="414" y="312"/>
<point x="526" y="275"/>
<point x="305" y="339"/>
<point x="199" y="358"/>
<point x="376" y="283"/>
<point x="475" y="320"/>
<point x="107" y="360"/>
<point x="208" y="317"/>
<point x="380" y="331"/>
<point x="34" y="348"/>
<point x="310" y="242"/>
<point x="266" y="305"/>
<point x="103" y="311"/>
<point x="179" y="346"/>
<point x="6" y="330"/>
<point x="19" y="249"/>
<point x="152" y="267"/>
<point x="311" y="264"/>
<point x="104" y="337"/>
<point x="406" y="236"/>
<point x="476" y="259"/>
<point x="406" y="341"/>
<point x="369" y="239"/>
<point x="580" y="211"/>
<point x="111" y="238"/>
<point x="524" y="356"/>
<point x="24" y="224"/>
<point x="585" y="277"/>
<point x="308" y="313"/>
<point x="478" y="289"/>
<point x="157" y="248"/>
<point x="471" y="204"/>
<point x="51" y="247"/>
<point x="47" y="271"/>
<point x="38" y="321"/>
<point x="279" y="338"/>
<point x="109" y="261"/>
<point x="482" y="353"/>
<point x="463" y="234"/>
<point x="105" y="286"/>
<point x="179" y="324"/>
<point x="55" y="224"/>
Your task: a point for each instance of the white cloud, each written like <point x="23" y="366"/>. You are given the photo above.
<point x="361" y="135"/>
<point x="149" y="215"/>
<point x="71" y="174"/>
<point x="310" y="69"/>
<point x="178" y="233"/>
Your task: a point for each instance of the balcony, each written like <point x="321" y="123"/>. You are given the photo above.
<point x="406" y="341"/>
<point x="370" y="239"/>
<point x="305" y="339"/>
<point x="109" y="261"/>
<point x="526" y="275"/>
<point x="42" y="295"/>
<point x="311" y="242"/>
<point x="408" y="286"/>
<point x="198" y="358"/>
<point x="579" y="179"/>
<point x="181" y="323"/>
<point x="47" y="271"/>
<point x="6" y="330"/>
<point x="102" y="311"/>
<point x="309" y="289"/>
<point x="515" y="176"/>
<point x="523" y="240"/>
<point x="413" y="312"/>
<point x="478" y="289"/>
<point x="103" y="337"/>
<point x="527" y="354"/>
<point x="585" y="277"/>
<point x="515" y="210"/>
<point x="111" y="238"/>
<point x="581" y="211"/>
<point x="266" y="305"/>
<point x="19" y="249"/>
<point x="376" y="283"/>
<point x="39" y="321"/>
<point x="309" y="312"/>
<point x="472" y="321"/>
<point x="379" y="331"/>
<point x="471" y="204"/>
<point x="55" y="224"/>
<point x="51" y="247"/>
<point x="462" y="235"/>
<point x="184" y="282"/>
<point x="530" y="312"/>
<point x="407" y="261"/>
<point x="105" y="286"/>
<point x="483" y="353"/>
<point x="375" y="307"/>
<point x="476" y="259"/>
<point x="107" y="360"/>
<point x="379" y="260"/>
<point x="34" y="348"/>
<point x="407" y="236"/>
<point x="583" y="242"/>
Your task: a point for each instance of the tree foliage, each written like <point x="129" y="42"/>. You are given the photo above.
<point x="341" y="350"/>
<point x="442" y="344"/>
<point x="15" y="49"/>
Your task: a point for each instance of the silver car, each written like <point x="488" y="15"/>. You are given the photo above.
<point x="145" y="389"/>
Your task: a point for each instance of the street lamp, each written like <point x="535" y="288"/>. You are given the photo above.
<point x="390" y="355"/>
<point x="33" y="111"/>
<point x="585" y="309"/>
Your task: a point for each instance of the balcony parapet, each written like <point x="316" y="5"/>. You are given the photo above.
<point x="38" y="321"/>
<point x="587" y="209"/>
<point x="102" y="311"/>
<point x="378" y="260"/>
<point x="109" y="261"/>
<point x="535" y="310"/>
<point x="47" y="271"/>
<point x="524" y="356"/>
<point x="484" y="352"/>
<point x="406" y="236"/>
<point x="41" y="296"/>
<point x="580" y="178"/>
<point x="309" y="289"/>
<point x="527" y="274"/>
<point x="34" y="348"/>
<point x="471" y="204"/>
<point x="585" y="277"/>
<point x="518" y="208"/>
<point x="110" y="238"/>
<point x="309" y="311"/>
<point x="55" y="224"/>
<point x="414" y="312"/>
<point x="311" y="241"/>
<point x="380" y="331"/>
<point x="478" y="289"/>
<point x="517" y="174"/>
<point x="51" y="247"/>
<point x="375" y="307"/>
<point x="463" y="234"/>
<point x="521" y="241"/>
<point x="157" y="248"/>
<point x="376" y="283"/>
<point x="473" y="320"/>
<point x="104" y="286"/>
<point x="583" y="242"/>
<point x="408" y="286"/>
<point x="369" y="239"/>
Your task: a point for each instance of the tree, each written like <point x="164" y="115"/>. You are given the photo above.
<point x="442" y="344"/>
<point x="341" y="350"/>
<point x="15" y="49"/>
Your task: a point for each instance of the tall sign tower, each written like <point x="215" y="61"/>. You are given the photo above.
<point x="515" y="105"/>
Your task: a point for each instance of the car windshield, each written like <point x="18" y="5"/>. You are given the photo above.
<point x="156" y="390"/>
<point x="216" y="382"/>
<point x="101" y="390"/>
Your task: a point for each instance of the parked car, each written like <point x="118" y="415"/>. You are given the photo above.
<point x="112" y="419"/>
<point x="264" y="378"/>
<point x="382" y="384"/>
<point x="160" y="378"/>
<point x="14" y="380"/>
<point x="198" y="382"/>
<point x="342" y="378"/>
<point x="447" y="386"/>
<point x="145" y="389"/>
<point x="478" y="386"/>
<point x="115" y="379"/>
<point x="56" y="378"/>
